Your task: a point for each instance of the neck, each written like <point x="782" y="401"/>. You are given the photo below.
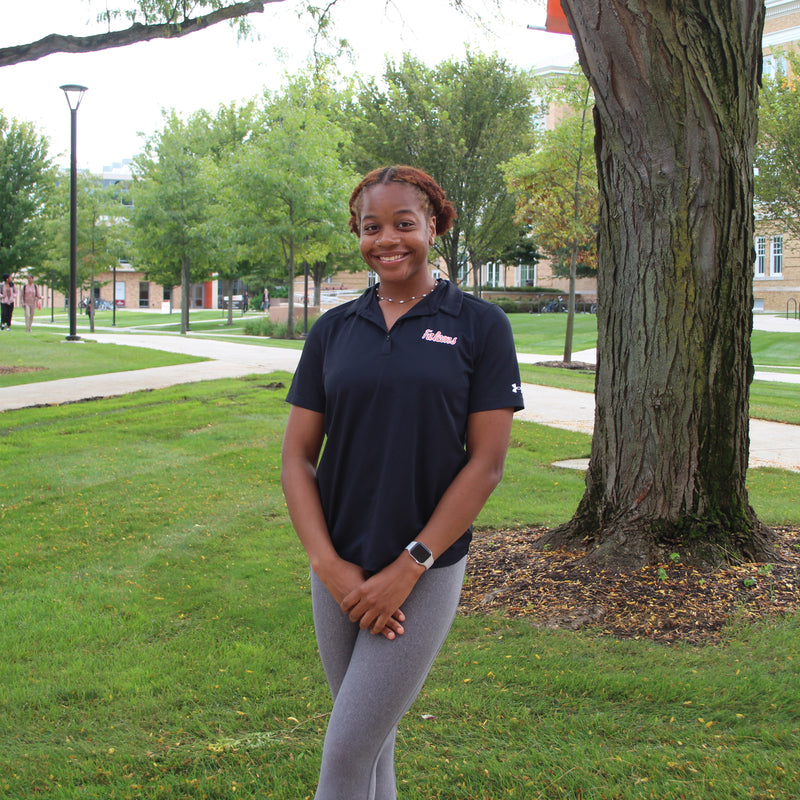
<point x="389" y="295"/>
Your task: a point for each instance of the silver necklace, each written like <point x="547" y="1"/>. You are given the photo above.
<point x="400" y="302"/>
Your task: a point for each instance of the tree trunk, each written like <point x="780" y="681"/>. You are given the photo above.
<point x="675" y="84"/>
<point x="290" y="273"/>
<point x="477" y="272"/>
<point x="573" y="258"/>
<point x="185" y="288"/>
<point x="568" y="336"/>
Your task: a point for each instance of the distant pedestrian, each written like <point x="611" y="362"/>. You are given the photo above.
<point x="31" y="297"/>
<point x="245" y="303"/>
<point x="265" y="304"/>
<point x="8" y="295"/>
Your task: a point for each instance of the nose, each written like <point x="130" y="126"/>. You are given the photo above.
<point x="387" y="235"/>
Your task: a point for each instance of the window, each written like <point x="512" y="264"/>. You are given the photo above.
<point x="774" y="66"/>
<point x="769" y="257"/>
<point x="492" y="274"/>
<point x="144" y="294"/>
<point x="761" y="256"/>
<point x="526" y="275"/>
<point x="776" y="256"/>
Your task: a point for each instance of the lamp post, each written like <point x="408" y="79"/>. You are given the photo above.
<point x="74" y="95"/>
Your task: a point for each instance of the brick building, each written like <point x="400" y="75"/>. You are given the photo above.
<point x="776" y="278"/>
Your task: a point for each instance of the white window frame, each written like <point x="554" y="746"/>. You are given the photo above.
<point x="525" y="273"/>
<point x="492" y="275"/>
<point x="776" y="257"/>
<point x="761" y="256"/>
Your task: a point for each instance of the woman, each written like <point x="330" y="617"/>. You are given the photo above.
<point x="8" y="294"/>
<point x="30" y="297"/>
<point x="412" y="387"/>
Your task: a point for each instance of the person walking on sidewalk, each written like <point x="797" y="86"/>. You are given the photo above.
<point x="412" y="388"/>
<point x="30" y="297"/>
<point x="8" y="296"/>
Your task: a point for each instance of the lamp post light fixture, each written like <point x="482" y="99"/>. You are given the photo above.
<point x="74" y="95"/>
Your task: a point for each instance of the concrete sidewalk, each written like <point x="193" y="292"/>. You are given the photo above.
<point x="772" y="444"/>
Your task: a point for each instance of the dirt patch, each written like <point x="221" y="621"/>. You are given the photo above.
<point x="4" y="370"/>
<point x="669" y="603"/>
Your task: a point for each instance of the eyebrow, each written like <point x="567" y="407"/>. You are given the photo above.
<point x="395" y="213"/>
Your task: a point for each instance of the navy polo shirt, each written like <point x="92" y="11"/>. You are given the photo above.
<point x="396" y="405"/>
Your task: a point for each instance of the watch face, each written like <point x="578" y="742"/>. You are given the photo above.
<point x="420" y="552"/>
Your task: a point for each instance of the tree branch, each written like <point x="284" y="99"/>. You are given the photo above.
<point x="56" y="43"/>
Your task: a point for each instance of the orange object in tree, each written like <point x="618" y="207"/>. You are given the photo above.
<point x="556" y="19"/>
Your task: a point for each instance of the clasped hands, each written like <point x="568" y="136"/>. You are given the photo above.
<point x="374" y="601"/>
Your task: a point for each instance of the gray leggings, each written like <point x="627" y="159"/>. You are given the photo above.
<point x="374" y="681"/>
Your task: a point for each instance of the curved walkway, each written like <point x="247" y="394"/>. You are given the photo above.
<point x="772" y="444"/>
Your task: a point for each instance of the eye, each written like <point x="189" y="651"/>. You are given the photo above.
<point x="369" y="228"/>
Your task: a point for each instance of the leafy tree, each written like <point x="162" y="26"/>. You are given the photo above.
<point x="171" y="228"/>
<point x="26" y="181"/>
<point x="458" y="121"/>
<point x="556" y="188"/>
<point x="150" y="19"/>
<point x="287" y="190"/>
<point x="777" y="183"/>
<point x="522" y="252"/>
<point x="219" y="136"/>
<point x="102" y="232"/>
<point x="167" y="19"/>
<point x="675" y="118"/>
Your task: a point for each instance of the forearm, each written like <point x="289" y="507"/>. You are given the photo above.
<point x="298" y="478"/>
<point x="371" y="603"/>
<point x="460" y="505"/>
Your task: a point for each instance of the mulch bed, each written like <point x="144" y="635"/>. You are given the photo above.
<point x="666" y="603"/>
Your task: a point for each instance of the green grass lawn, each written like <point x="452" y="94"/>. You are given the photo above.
<point x="127" y="319"/>
<point x="43" y="356"/>
<point x="772" y="349"/>
<point x="157" y="638"/>
<point x="545" y="333"/>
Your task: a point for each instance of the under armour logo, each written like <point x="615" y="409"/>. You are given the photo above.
<point x="515" y="387"/>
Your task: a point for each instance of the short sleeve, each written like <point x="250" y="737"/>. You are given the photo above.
<point x="495" y="380"/>
<point x="308" y="387"/>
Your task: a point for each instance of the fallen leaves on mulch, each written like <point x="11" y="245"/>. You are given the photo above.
<point x="668" y="603"/>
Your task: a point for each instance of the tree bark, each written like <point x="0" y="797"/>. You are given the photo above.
<point x="57" y="43"/>
<point x="676" y="90"/>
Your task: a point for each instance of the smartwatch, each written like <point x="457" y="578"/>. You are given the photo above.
<point x="420" y="554"/>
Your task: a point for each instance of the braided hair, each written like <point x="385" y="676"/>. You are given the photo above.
<point x="431" y="194"/>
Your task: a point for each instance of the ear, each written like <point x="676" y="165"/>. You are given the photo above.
<point x="432" y="237"/>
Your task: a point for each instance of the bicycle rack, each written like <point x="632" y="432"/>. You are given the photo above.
<point x="788" y="304"/>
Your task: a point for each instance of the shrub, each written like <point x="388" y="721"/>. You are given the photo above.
<point x="259" y="326"/>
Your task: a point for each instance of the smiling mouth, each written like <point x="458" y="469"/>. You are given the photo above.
<point x="390" y="259"/>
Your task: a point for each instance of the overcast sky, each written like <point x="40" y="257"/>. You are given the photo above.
<point x="129" y="86"/>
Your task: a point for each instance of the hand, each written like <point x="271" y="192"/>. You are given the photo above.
<point x="344" y="579"/>
<point x="375" y="604"/>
